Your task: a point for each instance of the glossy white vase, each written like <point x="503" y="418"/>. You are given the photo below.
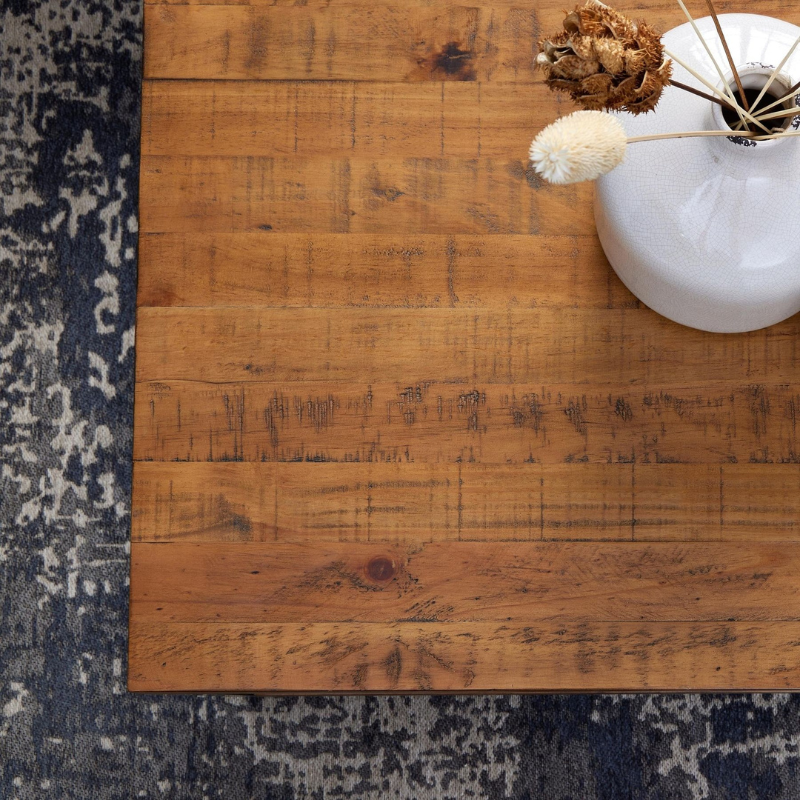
<point x="706" y="231"/>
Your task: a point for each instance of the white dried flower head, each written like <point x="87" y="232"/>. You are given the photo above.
<point x="580" y="147"/>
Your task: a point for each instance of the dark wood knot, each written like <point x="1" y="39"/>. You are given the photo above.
<point x="454" y="62"/>
<point x="381" y="568"/>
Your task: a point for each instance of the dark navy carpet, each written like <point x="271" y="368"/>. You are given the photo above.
<point x="69" y="122"/>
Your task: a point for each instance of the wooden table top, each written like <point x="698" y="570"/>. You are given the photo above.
<point x="398" y="426"/>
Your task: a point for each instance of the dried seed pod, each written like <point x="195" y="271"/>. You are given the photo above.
<point x="606" y="61"/>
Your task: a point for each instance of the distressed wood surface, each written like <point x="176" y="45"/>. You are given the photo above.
<point x="414" y="503"/>
<point x="500" y="423"/>
<point x="383" y="43"/>
<point x="595" y="347"/>
<point x="201" y="194"/>
<point x="398" y="426"/>
<point x="459" y="656"/>
<point x="341" y="119"/>
<point x="377" y="270"/>
<point x="450" y="581"/>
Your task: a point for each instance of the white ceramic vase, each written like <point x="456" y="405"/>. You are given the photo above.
<point x="705" y="231"/>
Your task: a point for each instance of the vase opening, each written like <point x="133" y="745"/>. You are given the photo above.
<point x="754" y="78"/>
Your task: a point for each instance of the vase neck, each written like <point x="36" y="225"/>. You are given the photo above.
<point x="754" y="77"/>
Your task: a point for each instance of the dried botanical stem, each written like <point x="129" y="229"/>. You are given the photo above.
<point x="773" y="128"/>
<point x="775" y="72"/>
<point x="695" y="74"/>
<point x="717" y="67"/>
<point x="793" y="92"/>
<point x="772" y="137"/>
<point x="728" y="54"/>
<point x="787" y="112"/>
<point x="692" y="134"/>
<point x="722" y="102"/>
<point x="711" y="86"/>
<point x="686" y="135"/>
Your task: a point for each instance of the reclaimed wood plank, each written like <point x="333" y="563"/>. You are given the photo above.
<point x="287" y="502"/>
<point x="414" y="346"/>
<point x="757" y="501"/>
<point x="206" y="502"/>
<point x="343" y="119"/>
<point x="185" y="194"/>
<point x="476" y="657"/>
<point x="518" y="582"/>
<point x="719" y="423"/>
<point x="670" y="500"/>
<point x="354" y="502"/>
<point x="661" y="13"/>
<point x="418" y="502"/>
<point x="380" y="43"/>
<point x="376" y="270"/>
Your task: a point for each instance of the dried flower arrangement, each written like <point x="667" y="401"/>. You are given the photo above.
<point x="607" y="62"/>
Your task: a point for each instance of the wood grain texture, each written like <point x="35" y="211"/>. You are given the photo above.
<point x="436" y="582"/>
<point x="381" y="43"/>
<point x="398" y="426"/>
<point x="496" y="424"/>
<point x="414" y="346"/>
<point x="201" y="194"/>
<point x="416" y="502"/>
<point x="662" y="12"/>
<point x="457" y="657"/>
<point x="376" y="270"/>
<point x="347" y="119"/>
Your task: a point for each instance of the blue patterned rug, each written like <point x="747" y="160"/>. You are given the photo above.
<point x="69" y="122"/>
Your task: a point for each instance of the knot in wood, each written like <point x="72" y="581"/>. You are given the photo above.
<point x="381" y="568"/>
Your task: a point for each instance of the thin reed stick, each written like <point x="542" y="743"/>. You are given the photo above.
<point x="790" y="92"/>
<point x="775" y="136"/>
<point x="695" y="74"/>
<point x="724" y="103"/>
<point x="687" y="135"/>
<point x="775" y="72"/>
<point x="787" y="112"/>
<point x="717" y="67"/>
<point x="728" y="54"/>
<point x="710" y="85"/>
<point x="730" y="134"/>
<point x="793" y="88"/>
<point x="793" y="92"/>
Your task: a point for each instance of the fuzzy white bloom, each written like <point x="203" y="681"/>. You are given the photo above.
<point x="580" y="147"/>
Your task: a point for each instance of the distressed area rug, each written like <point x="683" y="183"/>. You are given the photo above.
<point x="69" y="122"/>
